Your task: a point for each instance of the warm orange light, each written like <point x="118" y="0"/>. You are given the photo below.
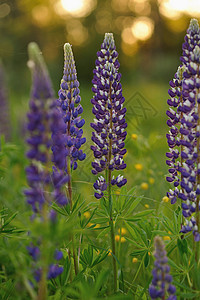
<point x="173" y="9"/>
<point x="142" y="28"/>
<point x="78" y="8"/>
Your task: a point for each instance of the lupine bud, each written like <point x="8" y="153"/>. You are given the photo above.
<point x="69" y="103"/>
<point x="109" y="124"/>
<point x="161" y="286"/>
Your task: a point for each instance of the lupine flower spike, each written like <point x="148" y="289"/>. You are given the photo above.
<point x="69" y="104"/>
<point x="183" y="138"/>
<point x="161" y="286"/>
<point x="45" y="187"/>
<point x="109" y="127"/>
<point x="109" y="124"/>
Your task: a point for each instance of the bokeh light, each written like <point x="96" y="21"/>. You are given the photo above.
<point x="142" y="28"/>
<point x="173" y="9"/>
<point x="4" y="10"/>
<point x="78" y="8"/>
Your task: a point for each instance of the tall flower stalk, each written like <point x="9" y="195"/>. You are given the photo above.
<point x="183" y="138"/>
<point x="161" y="286"/>
<point x="46" y="130"/>
<point x="69" y="104"/>
<point x="109" y="128"/>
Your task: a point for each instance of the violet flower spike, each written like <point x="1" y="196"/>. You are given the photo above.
<point x="185" y="159"/>
<point x="69" y="103"/>
<point x="161" y="286"/>
<point x="46" y="131"/>
<point x="109" y="124"/>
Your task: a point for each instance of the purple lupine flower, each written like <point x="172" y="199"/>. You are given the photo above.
<point x="185" y="137"/>
<point x="46" y="132"/>
<point x="44" y="120"/>
<point x="161" y="286"/>
<point x="174" y="136"/>
<point x="69" y="103"/>
<point x="109" y="124"/>
<point x="4" y="110"/>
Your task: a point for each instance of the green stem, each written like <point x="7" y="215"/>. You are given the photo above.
<point x="71" y="205"/>
<point x="42" y="289"/>
<point x="112" y="234"/>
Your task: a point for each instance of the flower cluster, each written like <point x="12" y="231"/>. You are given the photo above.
<point x="161" y="286"/>
<point x="183" y="139"/>
<point x="54" y="270"/>
<point x="44" y="120"/>
<point x="69" y="103"/>
<point x="46" y="131"/>
<point x="109" y="124"/>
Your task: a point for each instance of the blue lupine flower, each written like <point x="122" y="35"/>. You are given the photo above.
<point x="44" y="120"/>
<point x="69" y="103"/>
<point x="46" y="132"/>
<point x="183" y="138"/>
<point x="161" y="286"/>
<point x="109" y="124"/>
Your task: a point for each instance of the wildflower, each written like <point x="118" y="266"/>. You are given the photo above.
<point x="161" y="286"/>
<point x="166" y="238"/>
<point x="151" y="180"/>
<point x="117" y="238"/>
<point x="109" y="124"/>
<point x="139" y="167"/>
<point x="69" y="103"/>
<point x="123" y="240"/>
<point x="183" y="138"/>
<point x="146" y="205"/>
<point x="144" y="186"/>
<point x="165" y="199"/>
<point x="134" y="136"/>
<point x="43" y="117"/>
<point x="122" y="231"/>
<point x="134" y="260"/>
<point x="45" y="187"/>
<point x="86" y="214"/>
<point x="109" y="252"/>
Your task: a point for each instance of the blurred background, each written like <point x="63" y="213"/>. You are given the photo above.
<point x="148" y="35"/>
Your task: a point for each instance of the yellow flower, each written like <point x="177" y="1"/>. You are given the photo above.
<point x="165" y="199"/>
<point x="146" y="205"/>
<point x="144" y="186"/>
<point x="134" y="260"/>
<point x="139" y="167"/>
<point x="134" y="136"/>
<point x="90" y="224"/>
<point x="117" y="238"/>
<point x="149" y="253"/>
<point x="97" y="226"/>
<point x="169" y="232"/>
<point x="151" y="180"/>
<point x="86" y="214"/>
<point x="123" y="239"/>
<point x="109" y="252"/>
<point x="117" y="192"/>
<point x="122" y="230"/>
<point x="166" y="238"/>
